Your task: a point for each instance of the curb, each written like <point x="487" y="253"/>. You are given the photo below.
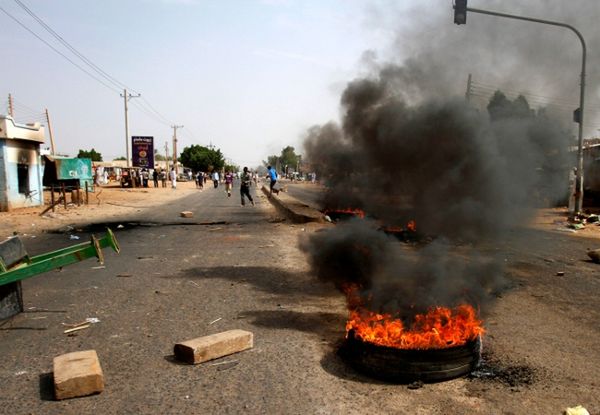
<point x="293" y="209"/>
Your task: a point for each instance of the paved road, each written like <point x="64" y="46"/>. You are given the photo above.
<point x="174" y="282"/>
<point x="307" y="193"/>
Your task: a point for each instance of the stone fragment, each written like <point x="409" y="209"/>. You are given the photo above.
<point x="77" y="374"/>
<point x="214" y="346"/>
<point x="186" y="214"/>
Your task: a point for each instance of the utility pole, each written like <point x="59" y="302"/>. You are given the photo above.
<point x="167" y="155"/>
<point x="460" y="17"/>
<point x="468" y="93"/>
<point x="11" y="110"/>
<point x="126" y="98"/>
<point x="53" y="149"/>
<point x="175" y="127"/>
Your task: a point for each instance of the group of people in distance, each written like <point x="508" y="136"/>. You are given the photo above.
<point x="246" y="179"/>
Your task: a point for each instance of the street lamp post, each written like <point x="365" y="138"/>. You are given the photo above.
<point x="460" y="17"/>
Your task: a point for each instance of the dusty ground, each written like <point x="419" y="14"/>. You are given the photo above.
<point x="109" y="203"/>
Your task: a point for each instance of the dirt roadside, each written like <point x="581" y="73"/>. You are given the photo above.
<point x="107" y="203"/>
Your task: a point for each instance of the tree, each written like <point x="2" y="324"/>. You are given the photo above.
<point x="92" y="154"/>
<point x="232" y="168"/>
<point x="287" y="160"/>
<point x="271" y="161"/>
<point x="500" y="107"/>
<point x="120" y="158"/>
<point x="200" y="158"/>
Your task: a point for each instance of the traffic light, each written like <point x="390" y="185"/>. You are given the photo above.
<point x="460" y="11"/>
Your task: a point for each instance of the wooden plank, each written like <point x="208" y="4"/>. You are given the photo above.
<point x="77" y="374"/>
<point x="214" y="346"/>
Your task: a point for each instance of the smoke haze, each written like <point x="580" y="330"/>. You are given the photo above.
<point x="408" y="148"/>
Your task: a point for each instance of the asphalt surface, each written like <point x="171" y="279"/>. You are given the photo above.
<point x="233" y="267"/>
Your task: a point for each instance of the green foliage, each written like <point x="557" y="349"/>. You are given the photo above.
<point x="232" y="168"/>
<point x="200" y="158"/>
<point x="288" y="159"/>
<point x="92" y="154"/>
<point x="501" y="107"/>
<point x="271" y="161"/>
<point x="120" y="158"/>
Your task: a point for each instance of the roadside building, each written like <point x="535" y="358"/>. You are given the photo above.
<point x="20" y="164"/>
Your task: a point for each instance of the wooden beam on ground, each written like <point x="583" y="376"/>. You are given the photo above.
<point x="214" y="346"/>
<point x="77" y="374"/>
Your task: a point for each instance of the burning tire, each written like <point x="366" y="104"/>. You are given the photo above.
<point x="409" y="365"/>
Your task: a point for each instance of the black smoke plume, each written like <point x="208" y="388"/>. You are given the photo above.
<point x="463" y="177"/>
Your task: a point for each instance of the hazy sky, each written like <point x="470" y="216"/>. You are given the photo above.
<point x="251" y="76"/>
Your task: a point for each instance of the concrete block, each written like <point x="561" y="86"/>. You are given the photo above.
<point x="77" y="374"/>
<point x="214" y="346"/>
<point x="187" y="214"/>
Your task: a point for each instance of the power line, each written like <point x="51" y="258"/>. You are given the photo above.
<point x="110" y="79"/>
<point x="57" y="51"/>
<point x="87" y="61"/>
<point x="540" y="99"/>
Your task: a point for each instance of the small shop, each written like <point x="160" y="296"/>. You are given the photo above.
<point x="20" y="164"/>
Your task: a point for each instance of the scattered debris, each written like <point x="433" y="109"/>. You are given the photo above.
<point x="415" y="385"/>
<point x="85" y="326"/>
<point x="594" y="254"/>
<point x="576" y="410"/>
<point x="124" y="275"/>
<point x="99" y="267"/>
<point x="327" y="218"/>
<point x="73" y="237"/>
<point x="214" y="321"/>
<point x="560" y="273"/>
<point x="195" y="283"/>
<point x="186" y="214"/>
<point x="226" y="365"/>
<point x="120" y="226"/>
<point x="576" y="226"/>
<point x="81" y="325"/>
<point x="20" y="372"/>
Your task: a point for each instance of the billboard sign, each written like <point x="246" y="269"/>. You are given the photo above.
<point x="142" y="152"/>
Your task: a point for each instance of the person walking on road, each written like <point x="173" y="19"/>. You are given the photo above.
<point x="173" y="177"/>
<point x="245" y="182"/>
<point x="273" y="176"/>
<point x="200" y="180"/>
<point x="155" y="177"/>
<point x="163" y="178"/>
<point x="228" y="182"/>
<point x="215" y="178"/>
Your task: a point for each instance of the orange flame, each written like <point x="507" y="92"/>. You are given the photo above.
<point x="411" y="225"/>
<point x="439" y="328"/>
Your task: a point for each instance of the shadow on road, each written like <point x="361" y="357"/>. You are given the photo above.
<point x="46" y="384"/>
<point x="270" y="280"/>
<point x="325" y="324"/>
